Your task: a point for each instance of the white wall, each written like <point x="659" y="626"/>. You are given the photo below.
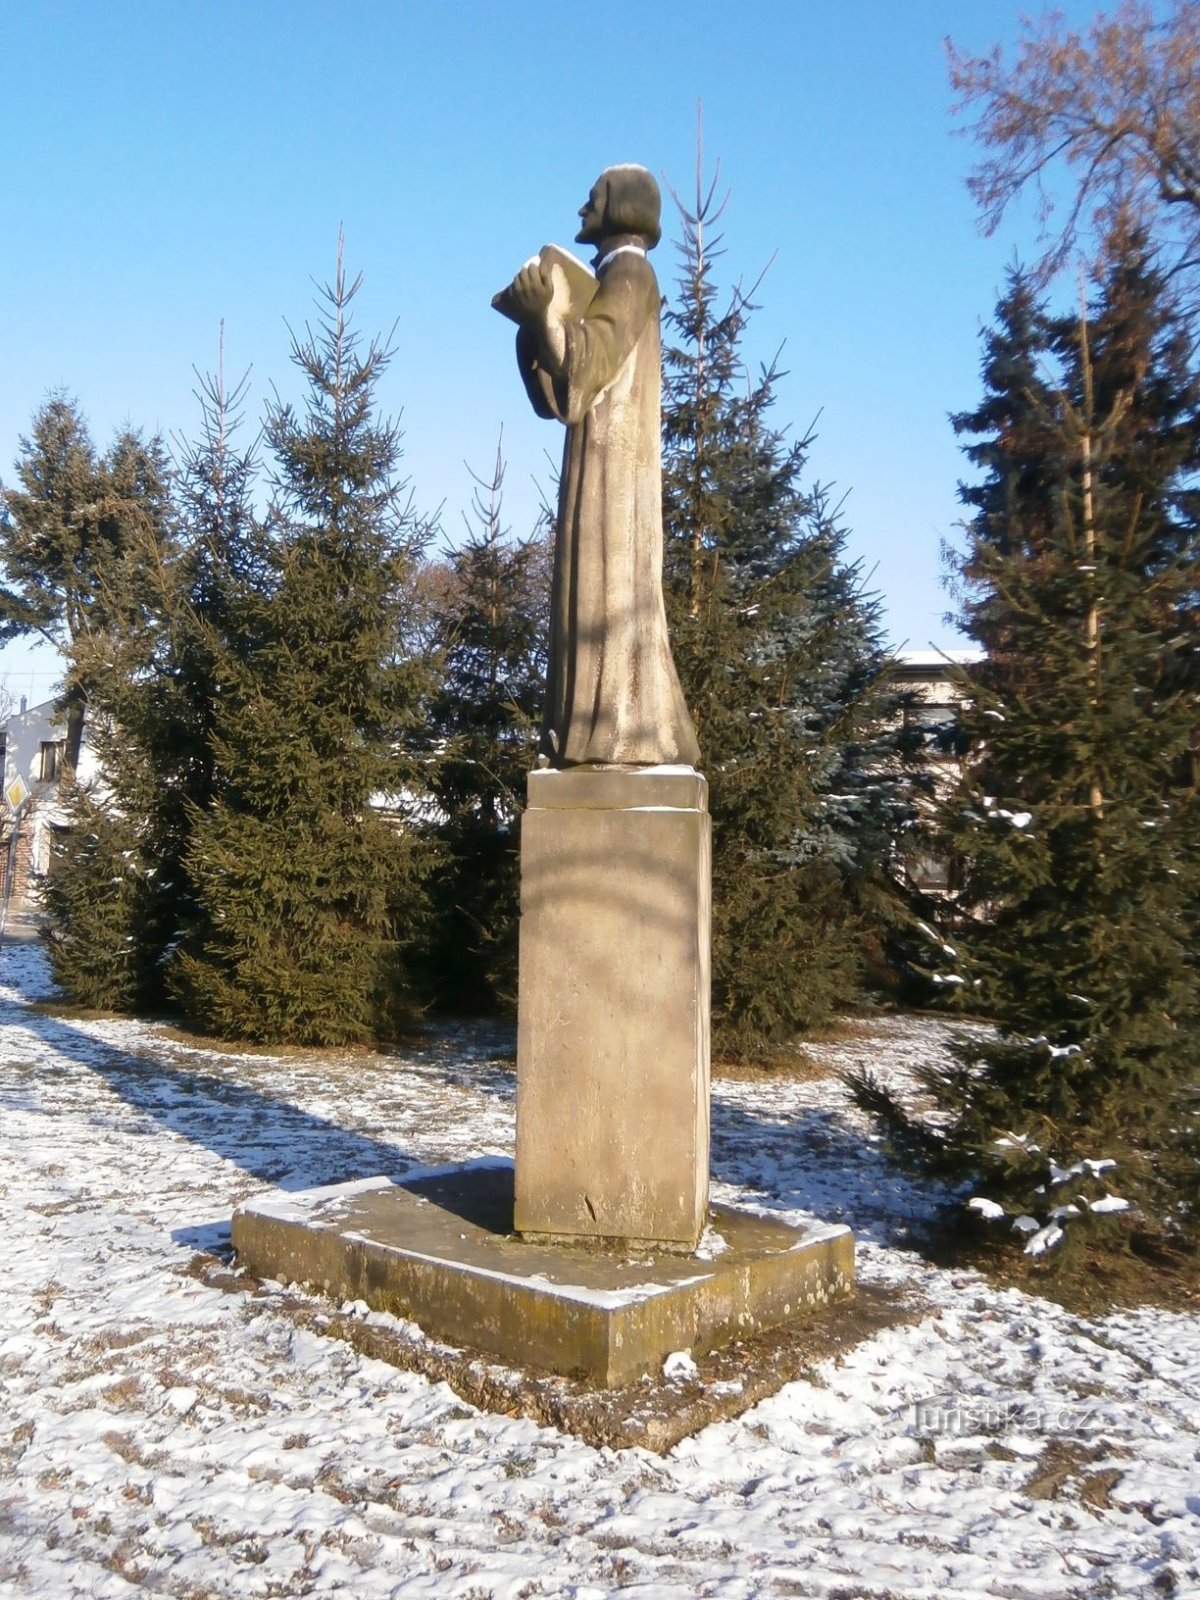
<point x="25" y="733"/>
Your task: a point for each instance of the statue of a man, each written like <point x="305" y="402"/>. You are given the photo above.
<point x="592" y="358"/>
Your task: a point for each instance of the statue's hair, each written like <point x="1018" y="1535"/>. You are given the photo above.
<point x="632" y="202"/>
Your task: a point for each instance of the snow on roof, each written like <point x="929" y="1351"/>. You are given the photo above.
<point x="44" y="709"/>
<point x="939" y="658"/>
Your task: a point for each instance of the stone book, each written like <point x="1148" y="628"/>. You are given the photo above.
<point x="574" y="286"/>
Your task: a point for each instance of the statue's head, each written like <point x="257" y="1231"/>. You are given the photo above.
<point x="624" y="200"/>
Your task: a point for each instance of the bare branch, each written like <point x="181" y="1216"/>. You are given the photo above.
<point x="1090" y="121"/>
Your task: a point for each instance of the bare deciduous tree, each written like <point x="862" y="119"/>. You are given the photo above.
<point x="1096" y="122"/>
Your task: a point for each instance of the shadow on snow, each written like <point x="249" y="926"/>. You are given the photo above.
<point x="816" y="1161"/>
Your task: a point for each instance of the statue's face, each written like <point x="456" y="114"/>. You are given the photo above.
<point x="592" y="216"/>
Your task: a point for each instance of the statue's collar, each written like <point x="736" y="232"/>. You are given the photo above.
<point x="619" y="250"/>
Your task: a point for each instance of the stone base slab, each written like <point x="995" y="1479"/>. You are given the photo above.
<point x="612" y="1038"/>
<point x="439" y="1250"/>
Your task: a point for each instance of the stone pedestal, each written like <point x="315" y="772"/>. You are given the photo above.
<point x="438" y="1249"/>
<point x="613" y="1044"/>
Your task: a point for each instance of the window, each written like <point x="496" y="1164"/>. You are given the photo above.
<point x="50" y="760"/>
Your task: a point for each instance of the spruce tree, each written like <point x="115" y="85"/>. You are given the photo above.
<point x="86" y="541"/>
<point x="1014" y="442"/>
<point x="222" y="563"/>
<point x="1012" y="438"/>
<point x="311" y="899"/>
<point x="120" y="901"/>
<point x="154" y="704"/>
<point x="490" y="634"/>
<point x="77" y="539"/>
<point x="1077" y="823"/>
<point x="780" y="656"/>
<point x="96" y="901"/>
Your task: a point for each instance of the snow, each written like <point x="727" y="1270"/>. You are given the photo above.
<point x="1044" y="1239"/>
<point x="300" y="1207"/>
<point x="680" y="1365"/>
<point x="621" y="250"/>
<point x="1089" y="1166"/>
<point x="712" y="1244"/>
<point x="670" y="769"/>
<point x="159" y="1437"/>
<point x="946" y="949"/>
<point x="939" y="658"/>
<point x="1017" y="1141"/>
<point x="660" y="808"/>
<point x="1018" y="819"/>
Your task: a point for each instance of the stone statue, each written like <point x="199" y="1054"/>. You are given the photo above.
<point x="590" y="354"/>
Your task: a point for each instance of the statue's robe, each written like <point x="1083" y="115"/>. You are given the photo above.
<point x="612" y="694"/>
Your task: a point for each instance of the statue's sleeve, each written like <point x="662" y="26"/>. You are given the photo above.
<point x="539" y="384"/>
<point x="599" y="345"/>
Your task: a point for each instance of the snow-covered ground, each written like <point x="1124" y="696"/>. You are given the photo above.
<point x="159" y="1437"/>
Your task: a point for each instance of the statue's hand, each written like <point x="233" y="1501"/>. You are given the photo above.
<point x="532" y="291"/>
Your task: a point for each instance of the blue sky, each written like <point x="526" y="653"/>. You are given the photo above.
<point x="165" y="166"/>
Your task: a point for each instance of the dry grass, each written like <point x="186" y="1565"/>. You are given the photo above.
<point x="792" y="1061"/>
<point x="782" y="1066"/>
<point x="1135" y="1266"/>
<point x="67" y="1012"/>
<point x="1061" y="1472"/>
<point x="121" y="1444"/>
<point x="97" y="1344"/>
<point x="119" y="1394"/>
<point x="177" y="1033"/>
<point x="171" y="1029"/>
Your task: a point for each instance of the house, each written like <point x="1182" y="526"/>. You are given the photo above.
<point x="932" y="684"/>
<point x="932" y="681"/>
<point x="31" y="812"/>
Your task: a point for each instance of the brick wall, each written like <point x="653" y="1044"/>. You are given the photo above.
<point x="20" y="860"/>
